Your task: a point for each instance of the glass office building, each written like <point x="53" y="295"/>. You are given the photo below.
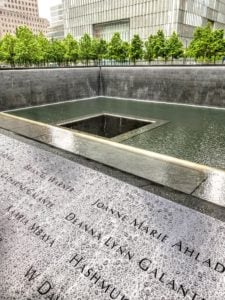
<point x="56" y="29"/>
<point x="144" y="17"/>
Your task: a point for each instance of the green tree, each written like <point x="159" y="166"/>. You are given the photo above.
<point x="217" y="44"/>
<point x="136" y="48"/>
<point x="99" y="49"/>
<point x="199" y="45"/>
<point x="0" y="50"/>
<point x="26" y="46"/>
<point x="86" y="48"/>
<point x="124" y="55"/>
<point x="118" y="50"/>
<point x="160" y="45"/>
<point x="71" y="49"/>
<point x="174" y="47"/>
<point x="7" y="49"/>
<point x="43" y="49"/>
<point x="207" y="43"/>
<point x="57" y="52"/>
<point x="149" y="51"/>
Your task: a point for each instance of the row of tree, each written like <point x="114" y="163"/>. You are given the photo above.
<point x="25" y="48"/>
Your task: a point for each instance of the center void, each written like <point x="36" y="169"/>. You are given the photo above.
<point x="107" y="126"/>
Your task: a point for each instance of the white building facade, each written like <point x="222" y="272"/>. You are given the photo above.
<point x="144" y="17"/>
<point x="14" y="13"/>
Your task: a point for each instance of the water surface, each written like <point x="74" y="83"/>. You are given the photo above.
<point x="193" y="133"/>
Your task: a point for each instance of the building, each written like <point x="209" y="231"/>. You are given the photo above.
<point x="14" y="13"/>
<point x="144" y="17"/>
<point x="56" y="29"/>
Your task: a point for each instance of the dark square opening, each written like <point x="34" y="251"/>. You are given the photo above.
<point x="106" y="125"/>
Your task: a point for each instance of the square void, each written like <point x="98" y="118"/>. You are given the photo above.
<point x="107" y="126"/>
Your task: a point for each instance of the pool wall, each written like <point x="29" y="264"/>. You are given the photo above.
<point x="20" y="88"/>
<point x="192" y="85"/>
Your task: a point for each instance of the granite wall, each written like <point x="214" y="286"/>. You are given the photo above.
<point x="192" y="85"/>
<point x="19" y="88"/>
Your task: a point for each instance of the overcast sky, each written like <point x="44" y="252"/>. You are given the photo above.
<point x="44" y="6"/>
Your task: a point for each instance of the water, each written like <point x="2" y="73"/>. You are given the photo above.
<point x="193" y="133"/>
<point x="106" y="125"/>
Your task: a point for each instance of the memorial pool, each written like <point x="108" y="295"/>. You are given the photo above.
<point x="186" y="132"/>
<point x="105" y="198"/>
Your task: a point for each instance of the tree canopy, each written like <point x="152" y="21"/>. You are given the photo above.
<point x="71" y="49"/>
<point x="149" y="50"/>
<point x="26" y="46"/>
<point x="28" y="49"/>
<point x="118" y="50"/>
<point x="7" y="49"/>
<point x="136" y="48"/>
<point x="86" y="48"/>
<point x="174" y="47"/>
<point x="99" y="49"/>
<point x="207" y="44"/>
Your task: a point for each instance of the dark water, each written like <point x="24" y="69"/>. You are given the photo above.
<point x="193" y="133"/>
<point x="107" y="126"/>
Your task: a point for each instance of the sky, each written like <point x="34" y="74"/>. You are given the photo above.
<point x="44" y="7"/>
